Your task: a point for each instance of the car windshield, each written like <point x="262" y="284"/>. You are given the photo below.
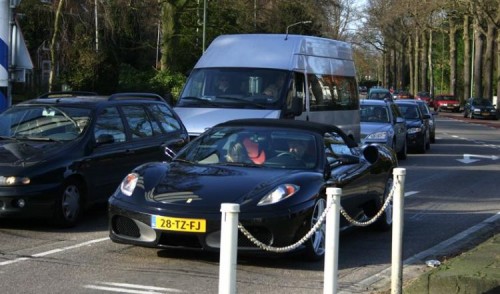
<point x="453" y="98"/>
<point x="253" y="147"/>
<point x="481" y="102"/>
<point x="234" y="87"/>
<point x="409" y="111"/>
<point x="43" y="122"/>
<point x="374" y="113"/>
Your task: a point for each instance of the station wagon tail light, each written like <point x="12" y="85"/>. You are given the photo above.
<point x="128" y="184"/>
<point x="13" y="181"/>
<point x="281" y="192"/>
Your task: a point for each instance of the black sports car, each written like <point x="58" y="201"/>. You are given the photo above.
<point x="276" y="170"/>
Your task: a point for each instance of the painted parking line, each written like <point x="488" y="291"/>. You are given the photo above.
<point x="131" y="288"/>
<point x="57" y="250"/>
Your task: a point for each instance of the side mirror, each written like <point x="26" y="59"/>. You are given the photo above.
<point x="105" y="139"/>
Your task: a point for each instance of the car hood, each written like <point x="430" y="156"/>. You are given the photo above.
<point x="206" y="187"/>
<point x="483" y="107"/>
<point x="26" y="152"/>
<point x="413" y="123"/>
<point x="370" y="128"/>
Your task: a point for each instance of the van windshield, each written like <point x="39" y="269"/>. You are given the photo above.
<point x="235" y="88"/>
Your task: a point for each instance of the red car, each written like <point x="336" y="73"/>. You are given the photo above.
<point x="424" y="96"/>
<point x="446" y="102"/>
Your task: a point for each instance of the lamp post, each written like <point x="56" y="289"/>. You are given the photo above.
<point x="294" y="24"/>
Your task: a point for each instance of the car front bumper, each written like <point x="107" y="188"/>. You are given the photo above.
<point x="28" y="201"/>
<point x="130" y="225"/>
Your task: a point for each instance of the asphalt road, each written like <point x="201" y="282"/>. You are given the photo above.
<point x="451" y="188"/>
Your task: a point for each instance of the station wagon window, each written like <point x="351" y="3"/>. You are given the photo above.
<point x="165" y="117"/>
<point x="109" y="122"/>
<point x="139" y="122"/>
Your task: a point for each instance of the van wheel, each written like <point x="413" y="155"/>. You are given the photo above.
<point x="315" y="246"/>
<point x="68" y="205"/>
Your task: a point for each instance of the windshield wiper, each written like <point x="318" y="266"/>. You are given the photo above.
<point x="198" y="99"/>
<point x="46" y="139"/>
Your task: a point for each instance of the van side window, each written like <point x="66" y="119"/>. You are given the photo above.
<point x="329" y="92"/>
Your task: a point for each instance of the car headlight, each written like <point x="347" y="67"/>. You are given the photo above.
<point x="14" y="181"/>
<point x="476" y="110"/>
<point x="281" y="192"/>
<point x="414" y="130"/>
<point x="377" y="136"/>
<point x="129" y="183"/>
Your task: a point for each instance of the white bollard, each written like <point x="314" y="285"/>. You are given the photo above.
<point x="228" y="248"/>
<point x="397" y="231"/>
<point x="330" y="275"/>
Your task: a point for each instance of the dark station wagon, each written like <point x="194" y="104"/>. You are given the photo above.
<point x="64" y="151"/>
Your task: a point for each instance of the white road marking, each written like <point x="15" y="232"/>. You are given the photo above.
<point x="409" y="193"/>
<point x="131" y="288"/>
<point x="57" y="250"/>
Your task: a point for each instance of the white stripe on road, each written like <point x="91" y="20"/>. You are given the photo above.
<point x="131" y="288"/>
<point x="411" y="193"/>
<point x="53" y="251"/>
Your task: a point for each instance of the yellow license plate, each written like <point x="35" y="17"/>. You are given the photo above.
<point x="178" y="224"/>
<point x="485" y="113"/>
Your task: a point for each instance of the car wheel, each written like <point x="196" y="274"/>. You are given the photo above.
<point x="465" y="113"/>
<point x="68" y="204"/>
<point x="402" y="154"/>
<point x="433" y="137"/>
<point x="315" y="246"/>
<point x="428" y="142"/>
<point x="470" y="115"/>
<point x="384" y="222"/>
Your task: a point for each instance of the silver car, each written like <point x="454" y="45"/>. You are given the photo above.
<point x="382" y="122"/>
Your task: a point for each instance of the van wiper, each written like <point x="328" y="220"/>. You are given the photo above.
<point x="46" y="139"/>
<point x="245" y="101"/>
<point x="198" y="99"/>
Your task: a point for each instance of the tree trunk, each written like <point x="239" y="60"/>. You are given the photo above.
<point x="53" y="46"/>
<point x="488" y="61"/>
<point x="423" y="85"/>
<point x="410" y="60"/>
<point x="478" y="60"/>
<point x="467" y="61"/>
<point x="169" y="24"/>
<point x="430" y="74"/>
<point x="416" y="60"/>
<point x="453" y="58"/>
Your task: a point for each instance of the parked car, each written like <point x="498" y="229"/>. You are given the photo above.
<point x="404" y="95"/>
<point x="446" y="102"/>
<point x="381" y="122"/>
<point x="363" y="91"/>
<point x="64" y="151"/>
<point x="432" y="121"/>
<point x="424" y="96"/>
<point x="480" y="108"/>
<point x="379" y="94"/>
<point x="258" y="164"/>
<point x="417" y="126"/>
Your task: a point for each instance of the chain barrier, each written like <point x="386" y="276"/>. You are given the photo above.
<point x="317" y="225"/>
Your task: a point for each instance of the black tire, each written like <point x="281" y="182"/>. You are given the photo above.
<point x="403" y="153"/>
<point x="428" y="142"/>
<point x="384" y="222"/>
<point x="68" y="207"/>
<point x="433" y="137"/>
<point x="315" y="246"/>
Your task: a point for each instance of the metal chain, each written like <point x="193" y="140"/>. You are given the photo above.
<point x="316" y="226"/>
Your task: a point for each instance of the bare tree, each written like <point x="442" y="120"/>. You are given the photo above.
<point x="53" y="45"/>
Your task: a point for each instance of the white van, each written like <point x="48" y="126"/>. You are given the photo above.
<point x="272" y="76"/>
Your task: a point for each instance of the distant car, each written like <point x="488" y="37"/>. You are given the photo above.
<point x="444" y="102"/>
<point x="480" y="108"/>
<point x="424" y="96"/>
<point x="64" y="151"/>
<point x="280" y="191"/>
<point x="432" y="121"/>
<point x="404" y="95"/>
<point x="379" y="94"/>
<point x="417" y="126"/>
<point x="363" y="91"/>
<point x="381" y="122"/>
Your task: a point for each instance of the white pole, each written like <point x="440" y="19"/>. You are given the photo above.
<point x="228" y="248"/>
<point x="330" y="275"/>
<point x="397" y="231"/>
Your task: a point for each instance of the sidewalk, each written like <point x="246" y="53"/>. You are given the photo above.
<point x="474" y="271"/>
